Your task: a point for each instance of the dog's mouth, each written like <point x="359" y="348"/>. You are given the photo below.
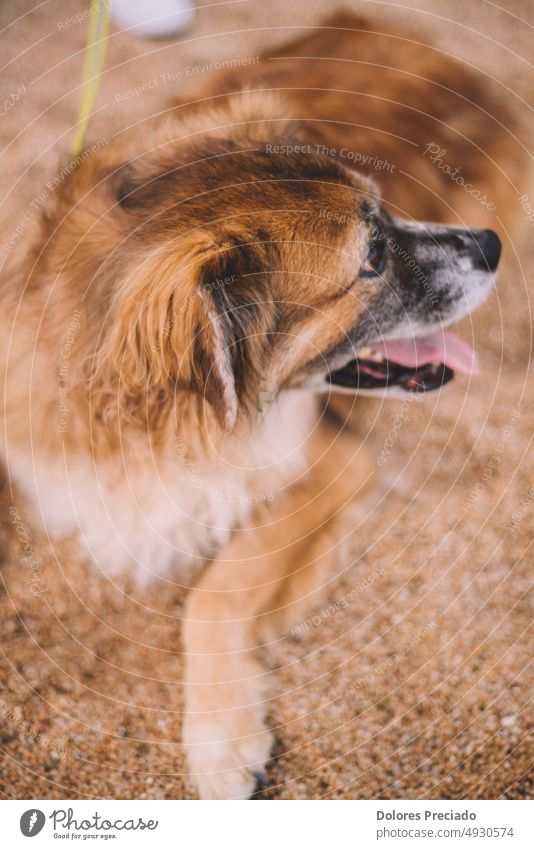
<point x="418" y="364"/>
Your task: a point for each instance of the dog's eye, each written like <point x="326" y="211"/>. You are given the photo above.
<point x="376" y="257"/>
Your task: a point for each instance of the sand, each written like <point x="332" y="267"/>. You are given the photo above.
<point x="414" y="678"/>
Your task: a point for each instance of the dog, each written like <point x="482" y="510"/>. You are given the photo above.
<point x="186" y="336"/>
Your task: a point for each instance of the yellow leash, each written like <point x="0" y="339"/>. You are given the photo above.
<point x="95" y="52"/>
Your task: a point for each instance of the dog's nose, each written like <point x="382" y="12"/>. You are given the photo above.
<point x="488" y="251"/>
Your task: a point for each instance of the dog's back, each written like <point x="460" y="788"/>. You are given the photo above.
<point x="431" y="132"/>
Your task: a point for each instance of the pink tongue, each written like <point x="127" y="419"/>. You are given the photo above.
<point x="437" y="347"/>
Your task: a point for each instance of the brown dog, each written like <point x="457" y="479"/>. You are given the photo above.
<point x="196" y="295"/>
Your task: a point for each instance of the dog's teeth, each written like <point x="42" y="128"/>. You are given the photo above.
<point x="370" y="354"/>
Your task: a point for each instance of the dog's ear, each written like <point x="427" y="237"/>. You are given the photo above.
<point x="169" y="328"/>
<point x="212" y="355"/>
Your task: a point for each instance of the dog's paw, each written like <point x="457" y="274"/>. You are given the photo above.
<point x="225" y="764"/>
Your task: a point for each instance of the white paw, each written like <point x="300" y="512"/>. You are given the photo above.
<point x="225" y="762"/>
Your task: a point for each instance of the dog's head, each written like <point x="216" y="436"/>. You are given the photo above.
<point x="229" y="268"/>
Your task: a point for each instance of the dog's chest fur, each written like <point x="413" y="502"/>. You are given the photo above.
<point x="166" y="514"/>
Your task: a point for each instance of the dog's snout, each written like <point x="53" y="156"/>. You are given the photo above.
<point x="487" y="250"/>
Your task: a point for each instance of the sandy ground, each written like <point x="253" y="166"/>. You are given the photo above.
<point x="414" y="679"/>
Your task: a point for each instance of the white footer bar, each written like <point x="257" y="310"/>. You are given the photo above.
<point x="271" y="825"/>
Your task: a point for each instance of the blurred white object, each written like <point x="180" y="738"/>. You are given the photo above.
<point x="153" y="18"/>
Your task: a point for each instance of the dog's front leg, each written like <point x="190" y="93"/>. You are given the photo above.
<point x="262" y="578"/>
<point x="226" y="741"/>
